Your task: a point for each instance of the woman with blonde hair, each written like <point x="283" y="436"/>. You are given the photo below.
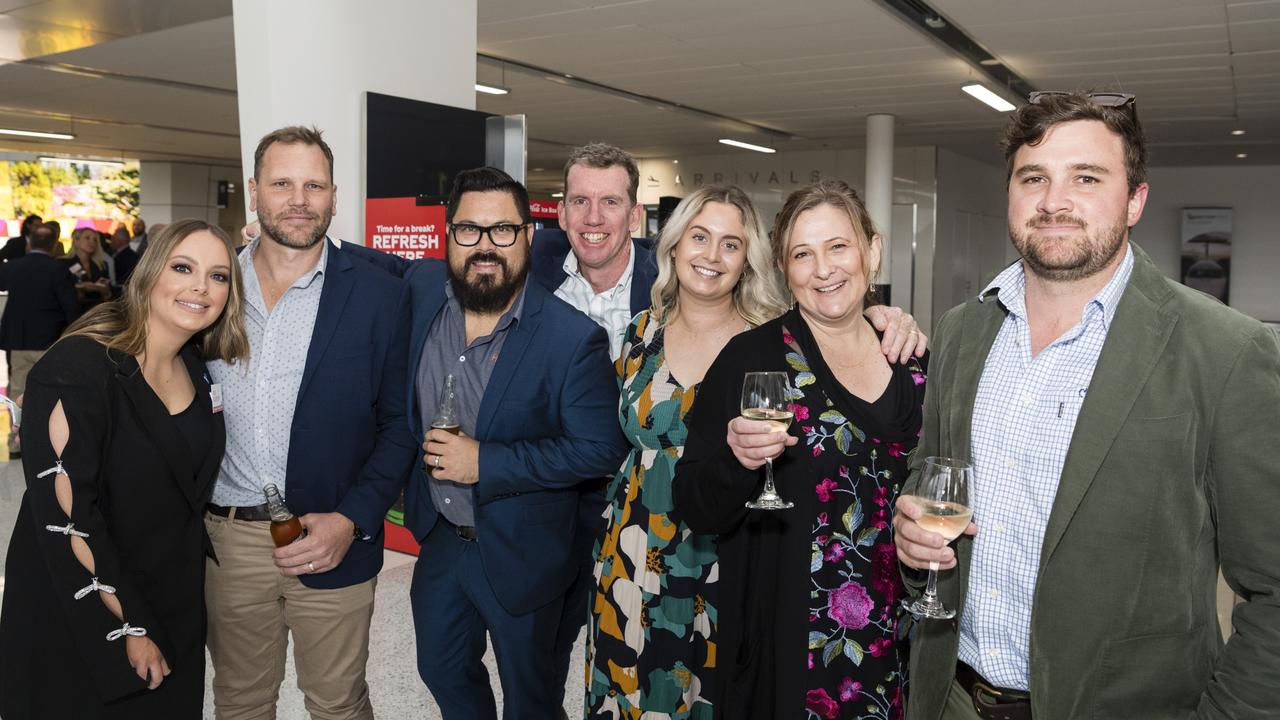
<point x="809" y="612"/>
<point x="103" y="612"/>
<point x="652" y="639"/>
<point x="89" y="263"/>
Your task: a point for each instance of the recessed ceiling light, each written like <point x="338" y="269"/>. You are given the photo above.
<point x="992" y="100"/>
<point x="1238" y="132"/>
<point x="491" y="89"/>
<point x="537" y="169"/>
<point x="37" y="134"/>
<point x="80" y="161"/>
<point x="1241" y="156"/>
<point x="675" y="162"/>
<point x="560" y="194"/>
<point x="747" y="146"/>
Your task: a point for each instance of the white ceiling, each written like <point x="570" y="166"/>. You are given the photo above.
<point x="811" y="69"/>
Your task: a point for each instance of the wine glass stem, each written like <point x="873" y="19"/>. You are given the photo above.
<point x="931" y="589"/>
<point x="769" y="490"/>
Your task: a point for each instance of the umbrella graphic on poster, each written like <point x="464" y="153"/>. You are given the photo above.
<point x="1206" y="250"/>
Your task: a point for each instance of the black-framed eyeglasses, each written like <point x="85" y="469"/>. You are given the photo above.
<point x="1105" y="99"/>
<point x="501" y="234"/>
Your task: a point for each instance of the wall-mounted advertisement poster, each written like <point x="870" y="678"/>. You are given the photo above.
<point x="1206" y="250"/>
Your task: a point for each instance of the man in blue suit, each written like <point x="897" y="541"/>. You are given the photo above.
<point x="318" y="410"/>
<point x="496" y="503"/>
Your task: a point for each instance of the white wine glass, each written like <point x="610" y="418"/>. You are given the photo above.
<point x="766" y="396"/>
<point x="943" y="495"/>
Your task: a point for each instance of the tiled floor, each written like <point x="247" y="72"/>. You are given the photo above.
<point x="393" y="678"/>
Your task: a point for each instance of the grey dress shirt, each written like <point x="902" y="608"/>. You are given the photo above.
<point x="444" y="352"/>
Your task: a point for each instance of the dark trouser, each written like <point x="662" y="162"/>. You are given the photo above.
<point x="453" y="606"/>
<point x="571" y="622"/>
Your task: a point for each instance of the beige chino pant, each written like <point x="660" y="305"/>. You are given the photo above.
<point x="252" y="610"/>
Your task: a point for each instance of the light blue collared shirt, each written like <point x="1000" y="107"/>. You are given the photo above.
<point x="259" y="396"/>
<point x="1023" y="419"/>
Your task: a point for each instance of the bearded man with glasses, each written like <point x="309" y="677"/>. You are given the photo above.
<point x="494" y="507"/>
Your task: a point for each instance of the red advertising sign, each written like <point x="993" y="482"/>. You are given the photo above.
<point x="402" y="227"/>
<point x="545" y="210"/>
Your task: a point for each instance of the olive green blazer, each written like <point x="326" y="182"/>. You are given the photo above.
<point x="1173" y="471"/>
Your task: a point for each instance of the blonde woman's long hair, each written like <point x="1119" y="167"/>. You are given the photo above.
<point x="122" y="324"/>
<point x="98" y="254"/>
<point x="758" y="295"/>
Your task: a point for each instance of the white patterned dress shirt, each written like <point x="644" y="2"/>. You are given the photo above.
<point x="1023" y="418"/>
<point x="610" y="309"/>
<point x="259" y="396"/>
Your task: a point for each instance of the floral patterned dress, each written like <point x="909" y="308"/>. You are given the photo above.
<point x="808" y="597"/>
<point x="651" y="639"/>
<point x="853" y="567"/>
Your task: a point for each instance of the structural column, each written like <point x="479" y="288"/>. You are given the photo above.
<point x="310" y="62"/>
<point x="879" y="191"/>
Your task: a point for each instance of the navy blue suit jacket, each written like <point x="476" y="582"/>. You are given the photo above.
<point x="350" y="447"/>
<point x="548" y="421"/>
<point x="551" y="247"/>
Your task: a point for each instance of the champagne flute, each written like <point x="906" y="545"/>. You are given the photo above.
<point x="944" y="498"/>
<point x="766" y="396"/>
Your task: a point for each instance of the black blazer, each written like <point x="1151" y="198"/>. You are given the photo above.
<point x="125" y="261"/>
<point x="15" y="248"/>
<point x="139" y="495"/>
<point x="42" y="302"/>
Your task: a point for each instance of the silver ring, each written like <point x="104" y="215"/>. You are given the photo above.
<point x="436" y="461"/>
<point x="311" y="565"/>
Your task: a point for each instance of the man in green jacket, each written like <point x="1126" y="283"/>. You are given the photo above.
<point x="1124" y="432"/>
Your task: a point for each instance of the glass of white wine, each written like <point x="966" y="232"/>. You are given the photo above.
<point x="943" y="495"/>
<point x="766" y="396"/>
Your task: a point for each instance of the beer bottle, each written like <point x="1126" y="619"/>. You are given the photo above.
<point x="446" y="417"/>
<point x="285" y="527"/>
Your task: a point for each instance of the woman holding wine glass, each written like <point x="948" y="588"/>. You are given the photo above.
<point x="652" y="637"/>
<point x="808" y="594"/>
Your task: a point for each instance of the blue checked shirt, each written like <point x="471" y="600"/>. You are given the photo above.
<point x="1023" y="419"/>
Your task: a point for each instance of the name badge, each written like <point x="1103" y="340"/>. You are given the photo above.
<point x="215" y="396"/>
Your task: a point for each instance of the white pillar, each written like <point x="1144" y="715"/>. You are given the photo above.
<point x="879" y="195"/>
<point x="172" y="191"/>
<point x="309" y="62"/>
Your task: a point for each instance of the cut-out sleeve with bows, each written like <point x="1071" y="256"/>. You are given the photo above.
<point x="66" y="429"/>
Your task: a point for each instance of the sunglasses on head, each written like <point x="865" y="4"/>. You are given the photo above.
<point x="1105" y="99"/>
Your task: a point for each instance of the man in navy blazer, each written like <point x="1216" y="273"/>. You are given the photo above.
<point x="318" y="410"/>
<point x="495" y="505"/>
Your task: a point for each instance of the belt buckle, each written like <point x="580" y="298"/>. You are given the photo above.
<point x="465" y="532"/>
<point x="996" y="705"/>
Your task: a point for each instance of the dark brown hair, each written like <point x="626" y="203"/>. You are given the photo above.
<point x="289" y="136"/>
<point x="603" y="156"/>
<point x="1029" y="124"/>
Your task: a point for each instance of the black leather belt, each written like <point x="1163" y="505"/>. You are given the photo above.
<point x="255" y="512"/>
<point x="466" y="532"/>
<point x="991" y="702"/>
